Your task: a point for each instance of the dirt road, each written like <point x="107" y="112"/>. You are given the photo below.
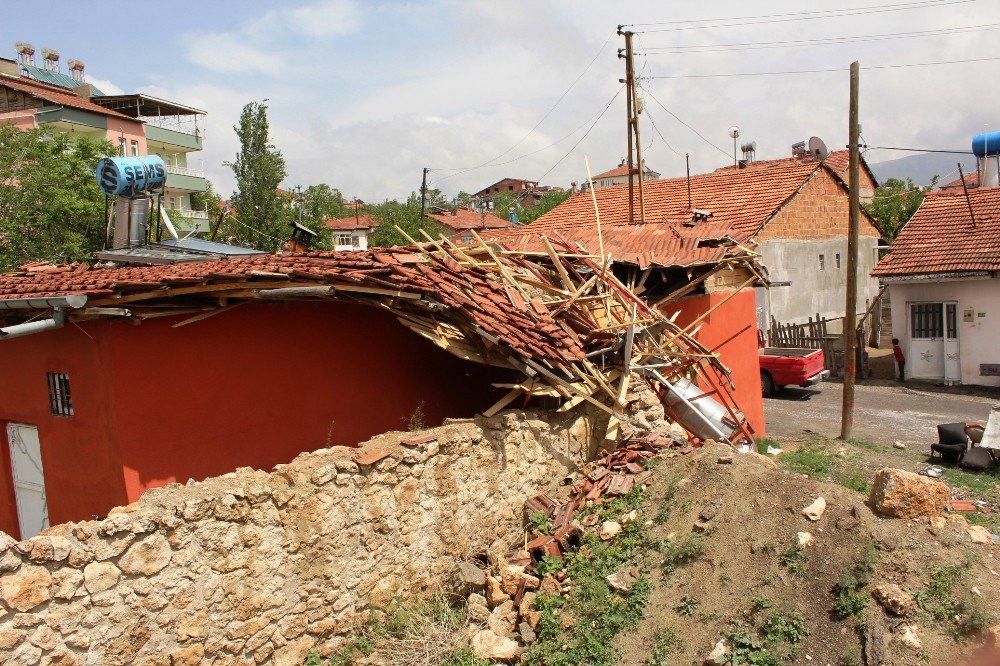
<point x="882" y="413"/>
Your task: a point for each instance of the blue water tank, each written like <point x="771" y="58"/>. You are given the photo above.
<point x="131" y="175"/>
<point x="986" y="144"/>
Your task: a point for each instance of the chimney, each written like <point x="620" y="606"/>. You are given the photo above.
<point x="51" y="59"/>
<point x="25" y="53"/>
<point x="76" y="70"/>
<point x="799" y="149"/>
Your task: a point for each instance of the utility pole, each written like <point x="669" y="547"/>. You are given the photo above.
<point x="299" y="190"/>
<point x="423" y="194"/>
<point x="854" y="216"/>
<point x="632" y="110"/>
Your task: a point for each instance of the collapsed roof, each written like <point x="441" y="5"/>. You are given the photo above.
<point x="559" y="316"/>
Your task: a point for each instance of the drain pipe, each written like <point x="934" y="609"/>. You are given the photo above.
<point x="58" y="319"/>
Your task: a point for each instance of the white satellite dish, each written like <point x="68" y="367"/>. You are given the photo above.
<point x="817" y="148"/>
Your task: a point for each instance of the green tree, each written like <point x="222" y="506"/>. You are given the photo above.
<point x="262" y="217"/>
<point x="207" y="200"/>
<point x="506" y="205"/>
<point x="895" y="202"/>
<point x="320" y="202"/>
<point x="50" y="206"/>
<point x="549" y="200"/>
<point x="464" y="199"/>
<point x="406" y="215"/>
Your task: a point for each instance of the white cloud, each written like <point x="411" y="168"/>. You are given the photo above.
<point x="232" y="54"/>
<point x="105" y="86"/>
<point x="323" y="19"/>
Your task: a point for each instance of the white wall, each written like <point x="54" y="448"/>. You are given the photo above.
<point x="978" y="342"/>
<point x="813" y="290"/>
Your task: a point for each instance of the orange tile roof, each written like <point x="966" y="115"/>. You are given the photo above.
<point x="741" y="202"/>
<point x="940" y="238"/>
<point x="469" y="294"/>
<point x="971" y="180"/>
<point x="620" y="170"/>
<point x="470" y="219"/>
<point x="351" y="223"/>
<point x="55" y="95"/>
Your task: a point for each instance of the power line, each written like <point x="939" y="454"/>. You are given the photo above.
<point x="580" y="140"/>
<point x="675" y="117"/>
<point x="463" y="170"/>
<point x="660" y="134"/>
<point x="823" y="71"/>
<point x="736" y="21"/>
<point x="547" y="113"/>
<point x="918" y="150"/>
<point x="819" y="41"/>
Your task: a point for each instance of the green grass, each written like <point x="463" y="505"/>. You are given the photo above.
<point x="985" y="484"/>
<point x="682" y="553"/>
<point x="539" y="521"/>
<point x="598" y="612"/>
<point x="763" y="442"/>
<point x="852" y="591"/>
<point x="687" y="606"/>
<point x="812" y="459"/>
<point x="794" y="558"/>
<point x="665" y="645"/>
<point x="990" y="521"/>
<point x="818" y="460"/>
<point x="963" y="616"/>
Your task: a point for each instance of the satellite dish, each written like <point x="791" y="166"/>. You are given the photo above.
<point x="817" y="148"/>
<point x="734" y="131"/>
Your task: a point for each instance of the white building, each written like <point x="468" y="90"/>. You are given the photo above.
<point x="943" y="272"/>
<point x="350" y="233"/>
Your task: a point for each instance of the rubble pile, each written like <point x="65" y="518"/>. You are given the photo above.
<point x="502" y="598"/>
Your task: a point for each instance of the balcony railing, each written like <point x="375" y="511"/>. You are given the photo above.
<point x="185" y="171"/>
<point x="194" y="214"/>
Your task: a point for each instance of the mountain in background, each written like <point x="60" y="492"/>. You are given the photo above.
<point x="922" y="167"/>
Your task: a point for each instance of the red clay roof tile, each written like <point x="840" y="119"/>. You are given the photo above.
<point x="940" y="238"/>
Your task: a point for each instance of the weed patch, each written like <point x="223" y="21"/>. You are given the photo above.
<point x="682" y="553"/>
<point x="598" y="612"/>
<point x="852" y="590"/>
<point x="665" y="645"/>
<point x="963" y="617"/>
<point x="794" y="558"/>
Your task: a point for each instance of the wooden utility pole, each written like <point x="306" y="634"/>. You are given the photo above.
<point x="423" y="194"/>
<point x="854" y="217"/>
<point x="632" y="110"/>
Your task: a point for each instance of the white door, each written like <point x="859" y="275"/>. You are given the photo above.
<point x="29" y="480"/>
<point x="926" y="357"/>
<point x="952" y="361"/>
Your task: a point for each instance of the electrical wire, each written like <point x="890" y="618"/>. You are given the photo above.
<point x="819" y="41"/>
<point x="918" y="150"/>
<point x="823" y="71"/>
<point x="580" y="140"/>
<point x="737" y="21"/>
<point x="600" y="112"/>
<point x="662" y="138"/>
<point x="543" y="118"/>
<point x="675" y="117"/>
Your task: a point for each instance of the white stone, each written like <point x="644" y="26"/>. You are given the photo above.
<point x="910" y="638"/>
<point x="487" y="645"/>
<point x="719" y="654"/>
<point x="100" y="576"/>
<point x="609" y="530"/>
<point x="815" y="510"/>
<point x="804" y="539"/>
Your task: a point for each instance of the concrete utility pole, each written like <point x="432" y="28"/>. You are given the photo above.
<point x="632" y="110"/>
<point x="423" y="194"/>
<point x="850" y="313"/>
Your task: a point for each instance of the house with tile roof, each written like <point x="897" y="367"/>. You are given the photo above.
<point x="619" y="176"/>
<point x="137" y="124"/>
<point x="458" y="223"/>
<point x="943" y="277"/>
<point x="792" y="211"/>
<point x="351" y="232"/>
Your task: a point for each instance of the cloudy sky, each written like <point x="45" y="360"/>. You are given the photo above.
<point x="364" y="93"/>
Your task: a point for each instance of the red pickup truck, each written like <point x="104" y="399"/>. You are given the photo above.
<point x="790" y="367"/>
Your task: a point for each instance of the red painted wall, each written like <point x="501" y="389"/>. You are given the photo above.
<point x="732" y="332"/>
<point x="252" y="386"/>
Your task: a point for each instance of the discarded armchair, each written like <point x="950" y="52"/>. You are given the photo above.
<point x="952" y="442"/>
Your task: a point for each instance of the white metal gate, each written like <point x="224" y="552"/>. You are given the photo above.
<point x="29" y="480"/>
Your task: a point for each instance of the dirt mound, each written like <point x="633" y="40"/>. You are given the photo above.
<point x="729" y="564"/>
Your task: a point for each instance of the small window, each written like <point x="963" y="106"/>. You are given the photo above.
<point x="343" y="239"/>
<point x="60" y="402"/>
<point x="135" y="148"/>
<point x="822" y="262"/>
<point x="926" y="320"/>
<point x="466" y="239"/>
<point x="837" y="258"/>
<point x="355" y="241"/>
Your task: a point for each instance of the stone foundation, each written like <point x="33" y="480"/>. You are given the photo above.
<point x="262" y="567"/>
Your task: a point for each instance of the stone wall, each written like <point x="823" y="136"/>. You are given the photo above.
<point x="262" y="567"/>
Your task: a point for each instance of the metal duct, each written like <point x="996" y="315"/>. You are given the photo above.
<point x="20" y="330"/>
<point x="72" y="301"/>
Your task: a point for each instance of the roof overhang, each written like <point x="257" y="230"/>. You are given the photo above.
<point x="138" y="105"/>
<point x="936" y="277"/>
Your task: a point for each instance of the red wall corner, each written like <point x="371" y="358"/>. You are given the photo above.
<point x="731" y="331"/>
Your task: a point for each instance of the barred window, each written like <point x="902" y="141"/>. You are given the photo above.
<point x="60" y="402"/>
<point x="926" y="320"/>
<point x="951" y="315"/>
